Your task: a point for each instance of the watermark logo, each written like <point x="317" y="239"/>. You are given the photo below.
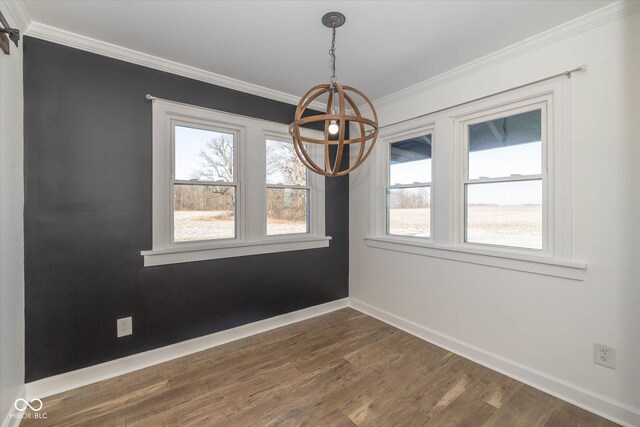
<point x="22" y="404"/>
<point x="35" y="405"/>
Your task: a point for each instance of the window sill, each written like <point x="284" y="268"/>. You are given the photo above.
<point x="191" y="253"/>
<point x="532" y="264"/>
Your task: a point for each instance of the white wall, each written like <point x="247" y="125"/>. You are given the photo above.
<point x="11" y="226"/>
<point x="538" y="328"/>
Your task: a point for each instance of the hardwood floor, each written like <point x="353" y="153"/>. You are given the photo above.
<point x="341" y="369"/>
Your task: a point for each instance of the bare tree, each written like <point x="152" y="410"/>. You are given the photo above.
<point x="216" y="165"/>
<point x="284" y="167"/>
<point x="217" y="160"/>
<point x="283" y="164"/>
<point x="415" y="198"/>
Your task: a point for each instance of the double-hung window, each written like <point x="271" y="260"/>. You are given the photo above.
<point x="226" y="185"/>
<point x="204" y="183"/>
<point x="408" y="189"/>
<point x="504" y="178"/>
<point x="288" y="190"/>
<point x="501" y="168"/>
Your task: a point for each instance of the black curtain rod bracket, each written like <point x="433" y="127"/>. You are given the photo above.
<point x="12" y="33"/>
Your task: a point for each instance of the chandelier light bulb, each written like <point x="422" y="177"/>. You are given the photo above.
<point x="333" y="127"/>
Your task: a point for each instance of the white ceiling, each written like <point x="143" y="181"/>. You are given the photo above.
<point x="383" y="47"/>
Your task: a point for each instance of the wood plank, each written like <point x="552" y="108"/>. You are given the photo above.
<point x="340" y="369"/>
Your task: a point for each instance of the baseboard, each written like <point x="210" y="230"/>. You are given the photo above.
<point x="593" y="402"/>
<point x="74" y="379"/>
<point x="604" y="406"/>
<point x="13" y="418"/>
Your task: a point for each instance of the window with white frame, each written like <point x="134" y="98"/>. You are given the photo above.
<point x="504" y="178"/>
<point x="211" y="195"/>
<point x="502" y="171"/>
<point x="288" y="192"/>
<point x="408" y="189"/>
<point x="204" y="183"/>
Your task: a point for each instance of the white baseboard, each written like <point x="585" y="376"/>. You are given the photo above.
<point x="70" y="380"/>
<point x="13" y="418"/>
<point x="593" y="402"/>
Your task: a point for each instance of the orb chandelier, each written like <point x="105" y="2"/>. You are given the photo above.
<point x="341" y="109"/>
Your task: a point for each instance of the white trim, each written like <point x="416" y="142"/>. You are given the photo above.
<point x="545" y="103"/>
<point x="593" y="402"/>
<point x="314" y="185"/>
<point x="78" y="41"/>
<point x="447" y="205"/>
<point x="81" y="377"/>
<point x="411" y="132"/>
<point x="579" y="396"/>
<point x="565" y="30"/>
<point x="232" y="249"/>
<point x="238" y="133"/>
<point x="557" y="155"/>
<point x="380" y="165"/>
<point x="249" y="181"/>
<point x="510" y="261"/>
<point x="13" y="418"/>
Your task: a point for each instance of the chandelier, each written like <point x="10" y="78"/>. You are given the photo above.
<point x="340" y="111"/>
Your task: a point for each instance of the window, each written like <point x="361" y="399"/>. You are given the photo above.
<point x="408" y="190"/>
<point x="211" y="195"/>
<point x="501" y="171"/>
<point x="504" y="181"/>
<point x="288" y="194"/>
<point x="204" y="184"/>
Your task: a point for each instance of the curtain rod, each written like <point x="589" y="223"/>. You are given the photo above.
<point x="564" y="73"/>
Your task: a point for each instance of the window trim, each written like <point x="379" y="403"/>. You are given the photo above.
<point x="544" y="103"/>
<point x="238" y="135"/>
<point x="446" y="165"/>
<point x="311" y="217"/>
<point x="509" y="261"/>
<point x="250" y="177"/>
<point x="400" y="136"/>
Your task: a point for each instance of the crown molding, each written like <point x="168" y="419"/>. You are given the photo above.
<point x="78" y="41"/>
<point x="570" y="28"/>
<point x="18" y="13"/>
<point x="563" y="31"/>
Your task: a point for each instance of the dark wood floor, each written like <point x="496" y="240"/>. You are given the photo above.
<point x="343" y="368"/>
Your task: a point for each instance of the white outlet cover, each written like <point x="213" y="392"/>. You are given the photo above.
<point x="604" y="355"/>
<point x="124" y="327"/>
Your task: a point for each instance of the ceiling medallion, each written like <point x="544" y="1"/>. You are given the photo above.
<point x="336" y="119"/>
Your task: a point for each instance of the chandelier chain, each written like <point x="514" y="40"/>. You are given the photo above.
<point x="332" y="54"/>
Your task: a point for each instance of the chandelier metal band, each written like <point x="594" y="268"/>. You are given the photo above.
<point x="341" y="110"/>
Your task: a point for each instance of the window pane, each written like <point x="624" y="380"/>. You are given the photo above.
<point x="203" y="155"/>
<point x="287" y="211"/>
<point x="505" y="214"/>
<point x="283" y="165"/>
<point x="507" y="146"/>
<point x="203" y="212"/>
<point x="410" y="161"/>
<point x="409" y="211"/>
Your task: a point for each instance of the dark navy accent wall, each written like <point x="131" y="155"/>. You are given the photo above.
<point x="88" y="216"/>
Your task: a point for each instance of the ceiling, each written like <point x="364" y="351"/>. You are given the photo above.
<point x="384" y="46"/>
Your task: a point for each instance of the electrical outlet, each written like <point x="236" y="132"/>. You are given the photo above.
<point x="125" y="327"/>
<point x="604" y="355"/>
